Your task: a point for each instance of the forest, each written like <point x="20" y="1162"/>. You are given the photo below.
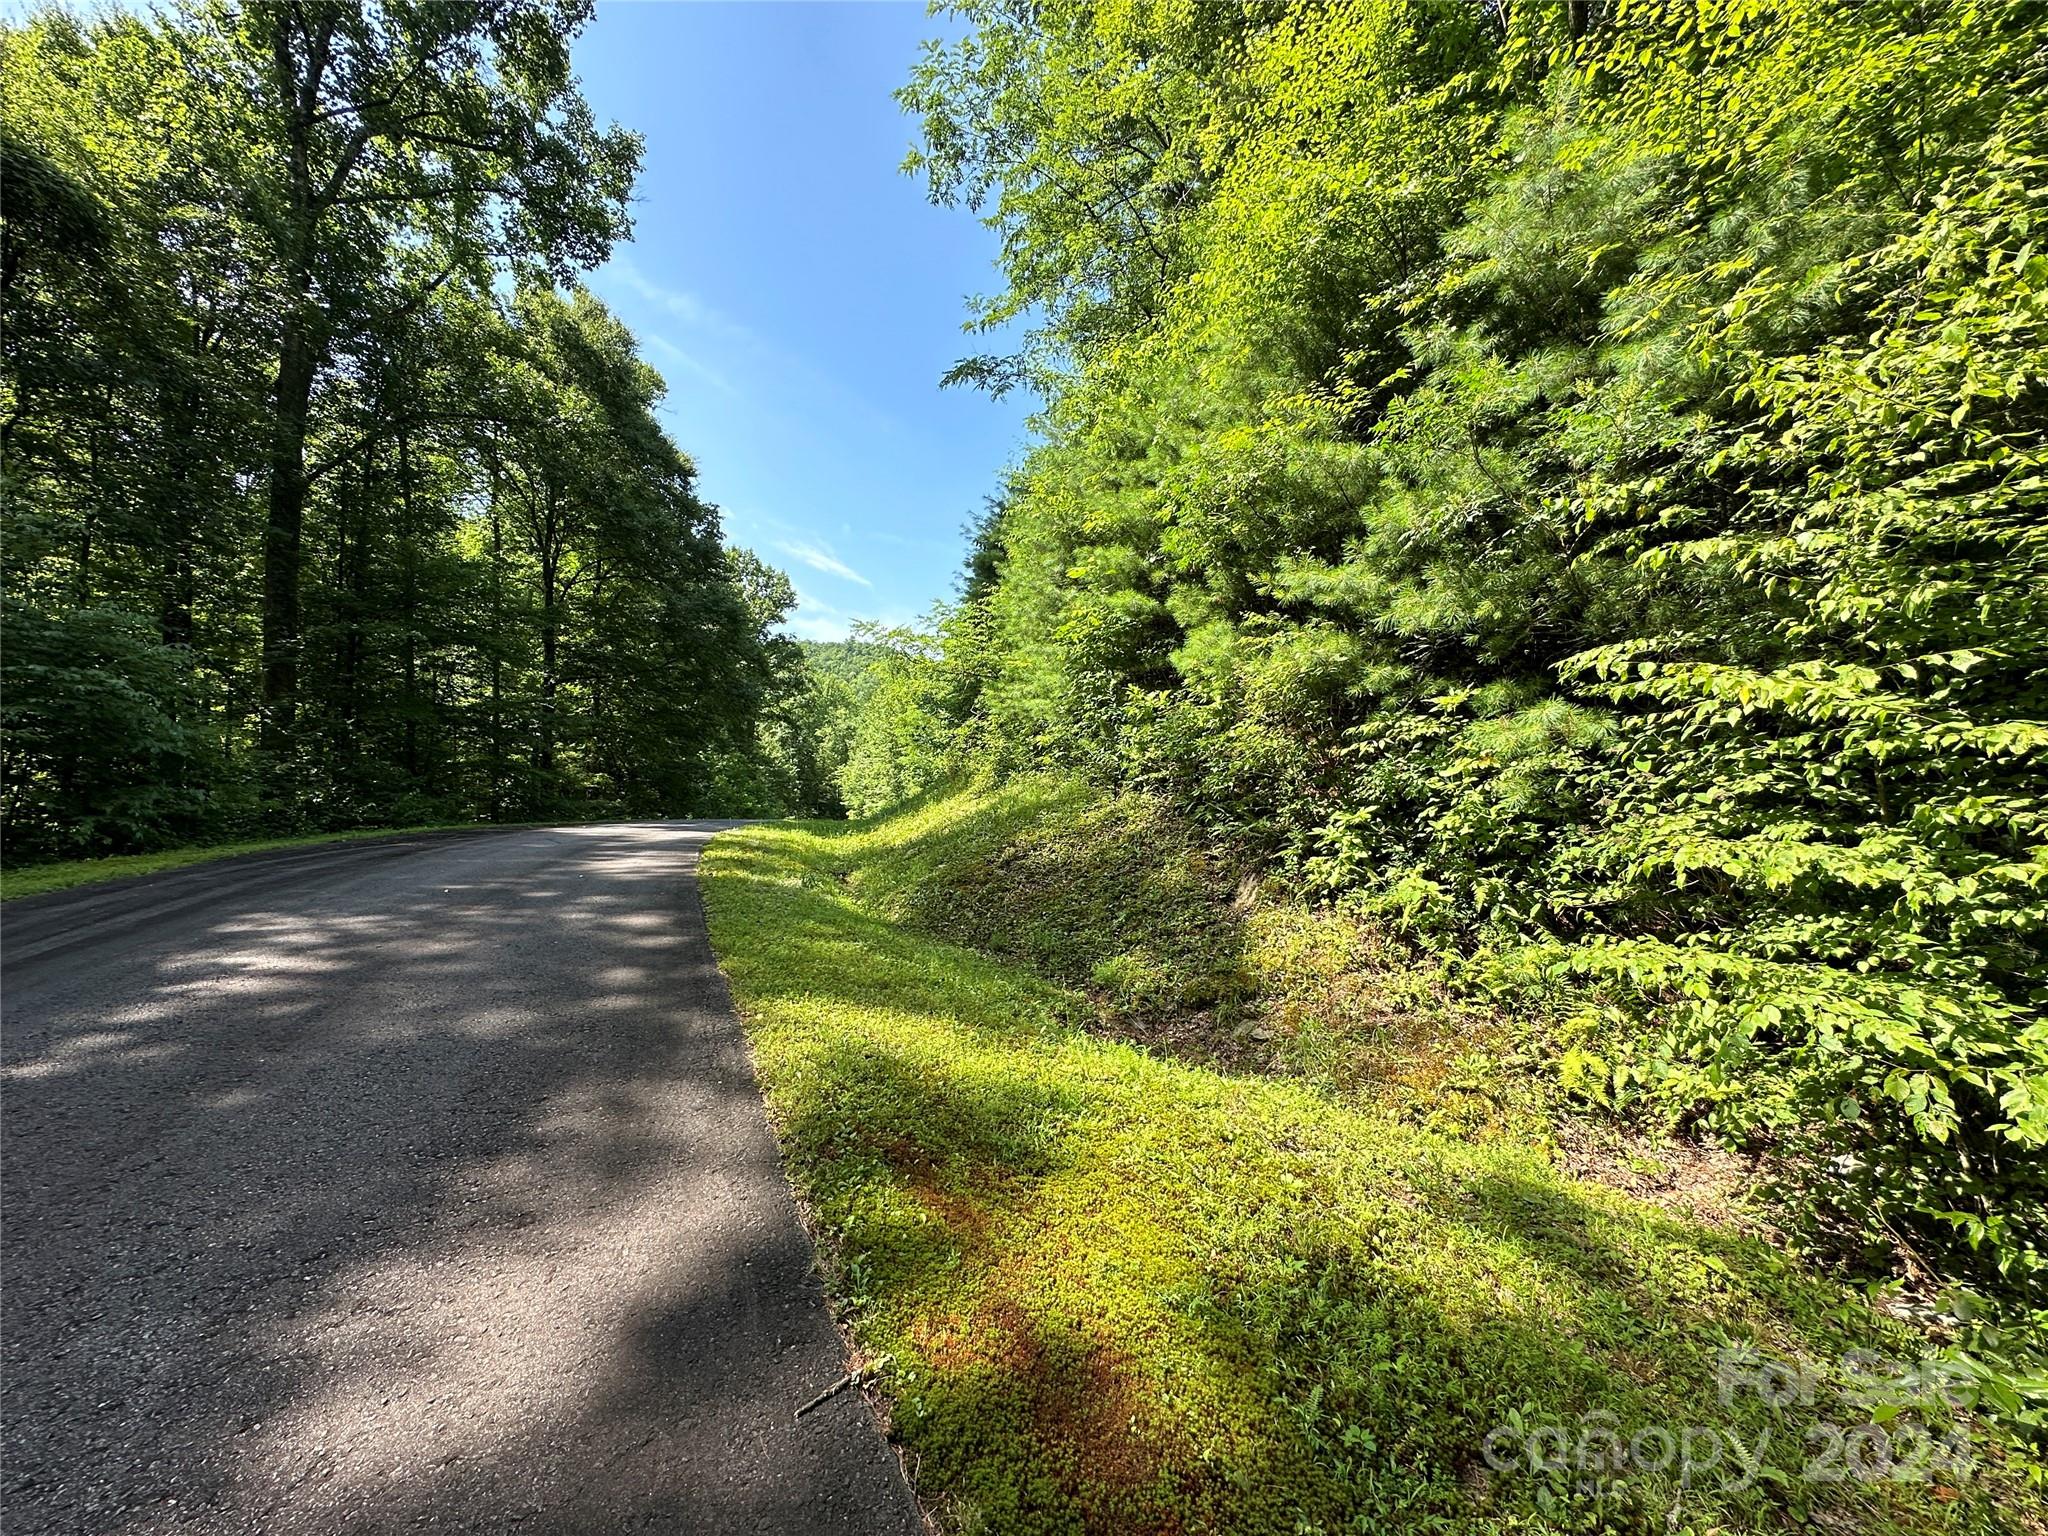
<point x="1565" y="484"/>
<point x="332" y="498"/>
<point x="1562" y="484"/>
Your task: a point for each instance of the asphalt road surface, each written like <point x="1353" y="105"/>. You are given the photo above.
<point x="410" y="1185"/>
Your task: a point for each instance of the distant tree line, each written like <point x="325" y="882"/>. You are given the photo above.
<point x="331" y="498"/>
<point x="1569" y="483"/>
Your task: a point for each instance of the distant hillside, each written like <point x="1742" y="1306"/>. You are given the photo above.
<point x="846" y="660"/>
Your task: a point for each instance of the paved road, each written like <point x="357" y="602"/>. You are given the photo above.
<point x="411" y="1185"/>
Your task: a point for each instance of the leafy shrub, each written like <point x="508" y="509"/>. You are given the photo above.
<point x="104" y="736"/>
<point x="1570" y="480"/>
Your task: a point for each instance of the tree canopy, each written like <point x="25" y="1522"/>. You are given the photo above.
<point x="331" y="497"/>
<point x="1566" y="482"/>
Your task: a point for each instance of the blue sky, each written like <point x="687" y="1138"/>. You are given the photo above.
<point x="800" y="295"/>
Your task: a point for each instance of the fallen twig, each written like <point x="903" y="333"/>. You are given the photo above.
<point x="853" y="1377"/>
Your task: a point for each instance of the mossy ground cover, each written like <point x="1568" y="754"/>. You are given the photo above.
<point x="1124" y="1292"/>
<point x="1169" y="941"/>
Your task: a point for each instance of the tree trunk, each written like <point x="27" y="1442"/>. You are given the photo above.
<point x="550" y="638"/>
<point x="180" y="582"/>
<point x="297" y="361"/>
<point x="298" y="80"/>
<point x="81" y="555"/>
<point x="410" y="554"/>
<point x="352" y="580"/>
<point x="497" y="649"/>
<point x="180" y="586"/>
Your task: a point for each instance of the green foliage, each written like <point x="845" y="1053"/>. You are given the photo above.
<point x="1857" y="793"/>
<point x="1570" y="480"/>
<point x="330" y="498"/>
<point x="897" y="745"/>
<point x="891" y="711"/>
<point x="1118" y="1292"/>
<point x="97" y="733"/>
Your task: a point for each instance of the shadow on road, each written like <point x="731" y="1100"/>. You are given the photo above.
<point x="429" y="1189"/>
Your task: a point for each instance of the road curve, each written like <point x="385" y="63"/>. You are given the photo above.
<point x="419" y="1184"/>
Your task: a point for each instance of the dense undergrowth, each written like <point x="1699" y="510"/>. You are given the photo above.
<point x="1567" y="478"/>
<point x="1147" y="1194"/>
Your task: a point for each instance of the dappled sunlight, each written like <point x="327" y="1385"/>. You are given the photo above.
<point x="476" y="1184"/>
<point x="510" y="1339"/>
<point x="1178" y="1298"/>
<point x="90" y="1052"/>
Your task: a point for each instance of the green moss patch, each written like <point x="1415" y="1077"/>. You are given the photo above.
<point x="1122" y="1292"/>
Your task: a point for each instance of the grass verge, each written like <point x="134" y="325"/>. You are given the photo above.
<point x="1120" y="1292"/>
<point x="38" y="879"/>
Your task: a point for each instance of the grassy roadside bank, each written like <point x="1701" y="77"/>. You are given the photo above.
<point x="1119" y="1292"/>
<point x="63" y="875"/>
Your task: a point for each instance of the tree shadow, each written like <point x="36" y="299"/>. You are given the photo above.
<point x="428" y="1189"/>
<point x="1130" y="1294"/>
